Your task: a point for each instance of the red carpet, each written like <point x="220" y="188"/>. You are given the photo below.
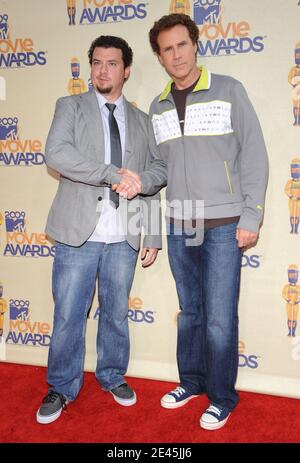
<point x="95" y="417"/>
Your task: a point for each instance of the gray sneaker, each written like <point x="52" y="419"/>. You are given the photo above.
<point x="51" y="408"/>
<point x="124" y="395"/>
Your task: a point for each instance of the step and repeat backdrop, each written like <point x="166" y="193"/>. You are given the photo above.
<point x="43" y="55"/>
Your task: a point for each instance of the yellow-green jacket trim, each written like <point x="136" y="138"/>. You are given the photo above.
<point x="202" y="84"/>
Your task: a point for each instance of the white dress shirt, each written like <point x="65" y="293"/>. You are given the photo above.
<point x="109" y="228"/>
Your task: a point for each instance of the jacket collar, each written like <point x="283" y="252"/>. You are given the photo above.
<point x="202" y="84"/>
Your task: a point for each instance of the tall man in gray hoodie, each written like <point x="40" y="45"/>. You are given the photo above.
<point x="207" y="147"/>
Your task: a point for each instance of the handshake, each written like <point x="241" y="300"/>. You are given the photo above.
<point x="130" y="184"/>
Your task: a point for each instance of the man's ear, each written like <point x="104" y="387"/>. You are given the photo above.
<point x="127" y="72"/>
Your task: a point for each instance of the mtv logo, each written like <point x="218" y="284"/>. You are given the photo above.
<point x="18" y="309"/>
<point x="9" y="128"/>
<point x="3" y="27"/>
<point x="207" y="11"/>
<point x="15" y="221"/>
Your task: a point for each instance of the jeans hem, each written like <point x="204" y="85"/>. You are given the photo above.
<point x="188" y="389"/>
<point x="108" y="389"/>
<point x="227" y="409"/>
<point x="62" y="393"/>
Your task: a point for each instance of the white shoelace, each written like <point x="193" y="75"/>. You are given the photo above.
<point x="214" y="409"/>
<point x="178" y="391"/>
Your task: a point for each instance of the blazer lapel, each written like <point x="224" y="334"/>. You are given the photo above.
<point x="89" y="105"/>
<point x="90" y="109"/>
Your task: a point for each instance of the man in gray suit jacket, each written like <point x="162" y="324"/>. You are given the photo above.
<point x="97" y="233"/>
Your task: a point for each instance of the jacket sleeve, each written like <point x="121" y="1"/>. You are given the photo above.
<point x="62" y="155"/>
<point x="151" y="221"/>
<point x="151" y="211"/>
<point x="155" y="177"/>
<point x="253" y="159"/>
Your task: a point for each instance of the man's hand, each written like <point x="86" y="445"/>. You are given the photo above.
<point x="148" y="256"/>
<point x="245" y="238"/>
<point x="130" y="184"/>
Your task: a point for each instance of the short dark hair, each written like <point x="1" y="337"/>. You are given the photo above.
<point x="167" y="22"/>
<point x="109" y="41"/>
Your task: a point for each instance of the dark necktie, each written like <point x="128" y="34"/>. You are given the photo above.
<point x="115" y="147"/>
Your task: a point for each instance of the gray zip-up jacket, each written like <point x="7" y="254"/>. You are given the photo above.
<point x="220" y="158"/>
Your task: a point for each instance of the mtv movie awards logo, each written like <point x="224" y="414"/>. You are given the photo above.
<point x="20" y="242"/>
<point x="16" y="152"/>
<point x="22" y="330"/>
<point x="246" y="360"/>
<point x="84" y="12"/>
<point x="252" y="261"/>
<point x="136" y="312"/>
<point x="218" y="38"/>
<point x="17" y="52"/>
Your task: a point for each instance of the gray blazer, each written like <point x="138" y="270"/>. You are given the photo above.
<point x="75" y="149"/>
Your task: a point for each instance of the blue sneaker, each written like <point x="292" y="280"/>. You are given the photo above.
<point x="176" y="398"/>
<point x="214" y="418"/>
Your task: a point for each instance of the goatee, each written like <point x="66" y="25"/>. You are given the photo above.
<point x="103" y="90"/>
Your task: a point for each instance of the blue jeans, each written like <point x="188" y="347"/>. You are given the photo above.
<point x="75" y="270"/>
<point x="207" y="279"/>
